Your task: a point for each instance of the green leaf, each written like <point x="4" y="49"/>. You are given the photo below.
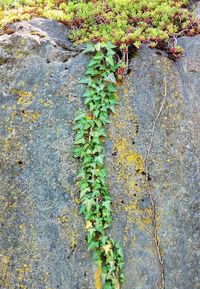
<point x="92" y="63"/>
<point x="81" y="174"/>
<point x="98" y="46"/>
<point x="84" y="192"/>
<point x="98" y="56"/>
<point x="93" y="245"/>
<point x="111" y="87"/>
<point x="110" y="60"/>
<point x="100" y="87"/>
<point x="109" y="45"/>
<point x="99" y="159"/>
<point x="104" y="118"/>
<point x="78" y="152"/>
<point x="98" y="149"/>
<point x="107" y="285"/>
<point x="110" y="78"/>
<point x="91" y="71"/>
<point x="106" y="204"/>
<point x="89" y="203"/>
<point x="112" y="108"/>
<point x="96" y="113"/>
<point x="80" y="141"/>
<point x="79" y="115"/>
<point x="90" y="234"/>
<point x="89" y="48"/>
<point x="83" y="184"/>
<point x="86" y="80"/>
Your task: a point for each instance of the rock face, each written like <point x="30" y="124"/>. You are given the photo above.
<point x="152" y="154"/>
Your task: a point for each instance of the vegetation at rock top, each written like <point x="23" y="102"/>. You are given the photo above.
<point x="123" y="22"/>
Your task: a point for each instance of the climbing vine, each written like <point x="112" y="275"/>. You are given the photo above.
<point x="100" y="99"/>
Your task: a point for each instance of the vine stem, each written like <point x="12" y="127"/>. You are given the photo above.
<point x="150" y="195"/>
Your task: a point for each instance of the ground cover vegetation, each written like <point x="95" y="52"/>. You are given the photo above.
<point x="157" y="23"/>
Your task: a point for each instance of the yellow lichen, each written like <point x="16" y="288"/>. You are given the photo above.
<point x="30" y="115"/>
<point x="23" y="271"/>
<point x="25" y="97"/>
<point x="4" y="265"/>
<point x="69" y="229"/>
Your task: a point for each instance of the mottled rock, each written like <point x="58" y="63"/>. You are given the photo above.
<point x="164" y="98"/>
<point x="43" y="243"/>
<point x="152" y="152"/>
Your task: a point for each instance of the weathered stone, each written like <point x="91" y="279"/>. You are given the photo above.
<point x="43" y="244"/>
<point x="169" y="124"/>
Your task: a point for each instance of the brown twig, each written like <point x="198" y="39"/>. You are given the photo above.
<point x="154" y="217"/>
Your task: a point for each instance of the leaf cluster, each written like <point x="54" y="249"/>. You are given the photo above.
<point x="100" y="99"/>
<point x="123" y="22"/>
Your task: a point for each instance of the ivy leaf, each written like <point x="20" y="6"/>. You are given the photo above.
<point x="98" y="46"/>
<point x="100" y="87"/>
<point x="99" y="225"/>
<point x="122" y="277"/>
<point x="82" y="209"/>
<point x="110" y="78"/>
<point x="86" y="80"/>
<point x="99" y="131"/>
<point x="99" y="159"/>
<point x="83" y="184"/>
<point x="90" y="234"/>
<point x="97" y="149"/>
<point x="83" y="192"/>
<point x="104" y="117"/>
<point x="80" y="141"/>
<point x="78" y="152"/>
<point x="87" y="159"/>
<point x="106" y="204"/>
<point x="104" y="239"/>
<point x="89" y="48"/>
<point x="109" y="45"/>
<point x="89" y="203"/>
<point x="93" y="245"/>
<point x="113" y="101"/>
<point x="88" y="225"/>
<point x="88" y="93"/>
<point x="111" y="87"/>
<point x="110" y="60"/>
<point x="91" y="71"/>
<point x="107" y="285"/>
<point x="112" y="108"/>
<point x="79" y="115"/>
<point x="96" y="113"/>
<point x="81" y="174"/>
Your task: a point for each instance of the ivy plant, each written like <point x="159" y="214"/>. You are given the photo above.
<point x="100" y="100"/>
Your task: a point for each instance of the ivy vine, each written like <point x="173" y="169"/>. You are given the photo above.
<point x="100" y="99"/>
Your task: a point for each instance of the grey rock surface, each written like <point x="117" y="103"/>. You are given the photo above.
<point x="152" y="152"/>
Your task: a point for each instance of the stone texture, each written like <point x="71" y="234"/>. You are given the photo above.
<point x="43" y="241"/>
